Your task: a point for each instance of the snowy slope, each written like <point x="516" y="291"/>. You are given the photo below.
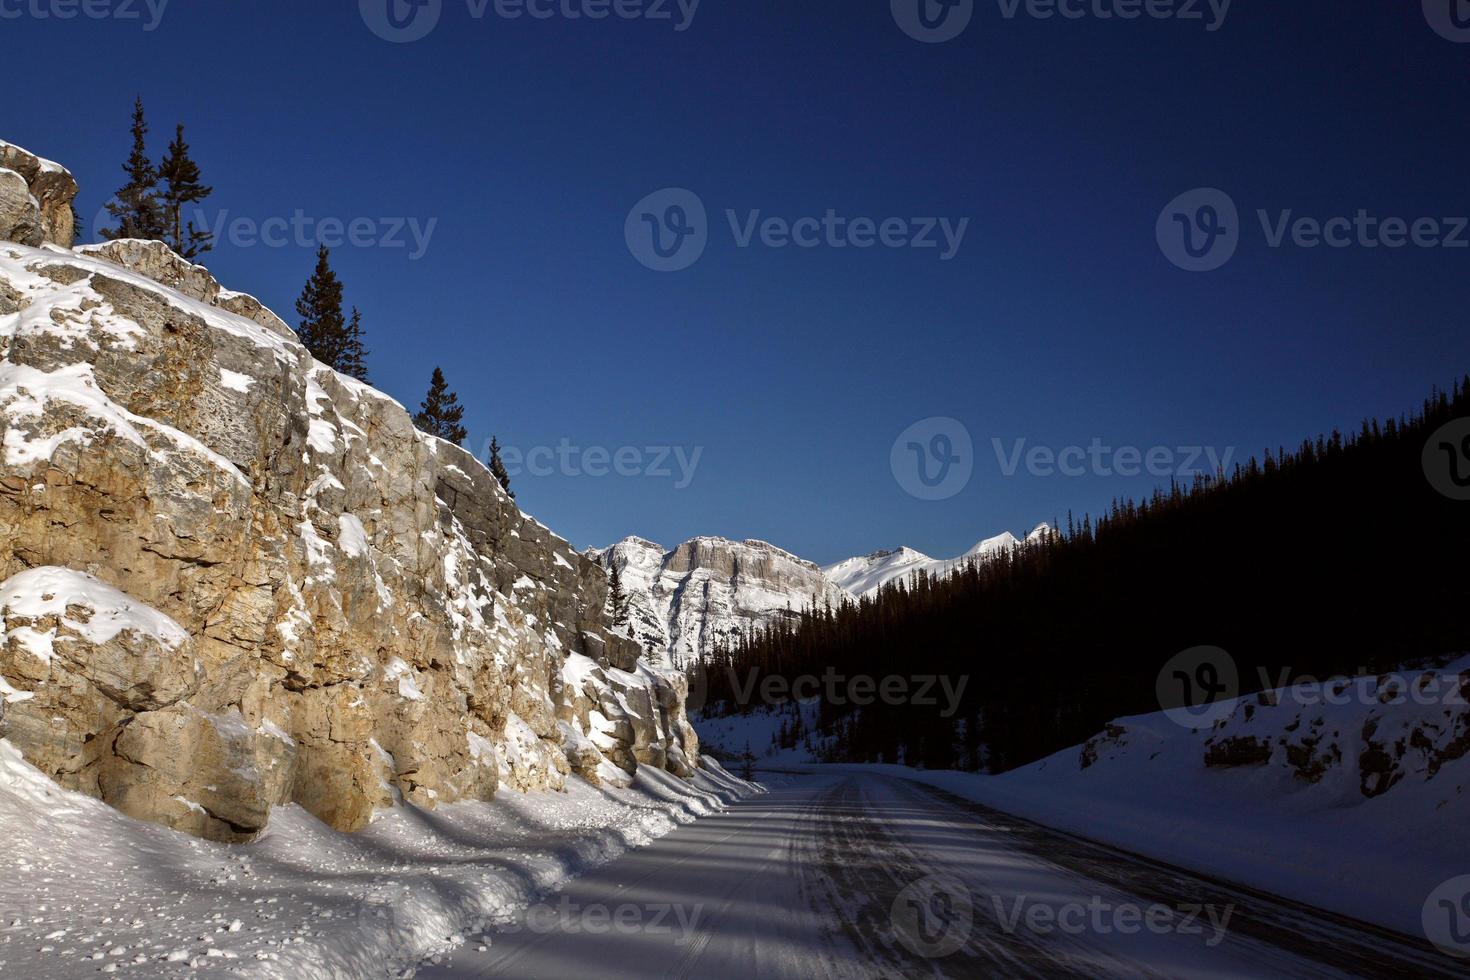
<point x="1350" y="798"/>
<point x="867" y="574"/>
<point x="709" y="590"/>
<point x="88" y="890"/>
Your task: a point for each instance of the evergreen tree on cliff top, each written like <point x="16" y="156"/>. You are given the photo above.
<point x="323" y="328"/>
<point x="497" y="469"/>
<point x="354" y="354"/>
<point x="441" y="412"/>
<point x="137" y="209"/>
<point x="181" y="174"/>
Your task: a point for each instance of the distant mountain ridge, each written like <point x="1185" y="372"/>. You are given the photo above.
<point x="708" y="591"/>
<point x="865" y="575"/>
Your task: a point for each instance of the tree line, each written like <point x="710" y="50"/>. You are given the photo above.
<point x="1334" y="558"/>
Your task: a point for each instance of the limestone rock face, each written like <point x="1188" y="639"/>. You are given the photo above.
<point x="231" y="578"/>
<point x="710" y="591"/>
<point x="35" y="199"/>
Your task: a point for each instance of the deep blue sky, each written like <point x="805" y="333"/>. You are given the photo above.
<point x="1059" y="321"/>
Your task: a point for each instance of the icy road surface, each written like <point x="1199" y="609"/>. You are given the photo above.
<point x="856" y="875"/>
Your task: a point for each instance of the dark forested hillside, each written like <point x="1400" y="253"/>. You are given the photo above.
<point x="1339" y="557"/>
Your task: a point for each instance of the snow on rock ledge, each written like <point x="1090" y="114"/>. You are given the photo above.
<point x="334" y="609"/>
<point x="35" y="199"/>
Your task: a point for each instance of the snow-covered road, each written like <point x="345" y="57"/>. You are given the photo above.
<point x="853" y="874"/>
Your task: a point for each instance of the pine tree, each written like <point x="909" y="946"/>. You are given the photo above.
<point x="616" y="596"/>
<point x="747" y="764"/>
<point x="181" y="174"/>
<point x="497" y="469"/>
<point x="441" y="412"/>
<point x="354" y="354"/>
<point x="137" y="209"/>
<point x="323" y="329"/>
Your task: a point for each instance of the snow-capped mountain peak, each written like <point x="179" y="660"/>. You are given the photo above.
<point x="709" y="591"/>
<point x="990" y="546"/>
<point x="865" y="575"/>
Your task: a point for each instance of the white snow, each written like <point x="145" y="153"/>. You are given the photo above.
<point x="408" y="688"/>
<point x="25" y="392"/>
<point x="709" y="591"/>
<point x="1323" y="843"/>
<point x="84" y="884"/>
<point x="51" y="591"/>
<point x="351" y="538"/>
<point x="865" y="575"/>
<point x="322" y="436"/>
<point x="235" y="381"/>
<point x="47" y="166"/>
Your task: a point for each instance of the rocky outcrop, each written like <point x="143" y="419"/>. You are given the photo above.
<point x="1373" y="730"/>
<point x="35" y="199"/>
<point x="232" y="578"/>
<point x="709" y="591"/>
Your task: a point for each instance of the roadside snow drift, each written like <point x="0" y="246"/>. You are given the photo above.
<point x="87" y="889"/>
<point x="1351" y="795"/>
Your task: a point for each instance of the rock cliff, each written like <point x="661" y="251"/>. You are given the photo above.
<point x="709" y="591"/>
<point x="231" y="578"/>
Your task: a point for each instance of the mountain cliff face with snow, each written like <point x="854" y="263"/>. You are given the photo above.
<point x="231" y="578"/>
<point x="867" y="574"/>
<point x="708" y="591"/>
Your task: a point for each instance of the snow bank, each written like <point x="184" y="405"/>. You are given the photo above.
<point x="87" y="889"/>
<point x="1282" y="804"/>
